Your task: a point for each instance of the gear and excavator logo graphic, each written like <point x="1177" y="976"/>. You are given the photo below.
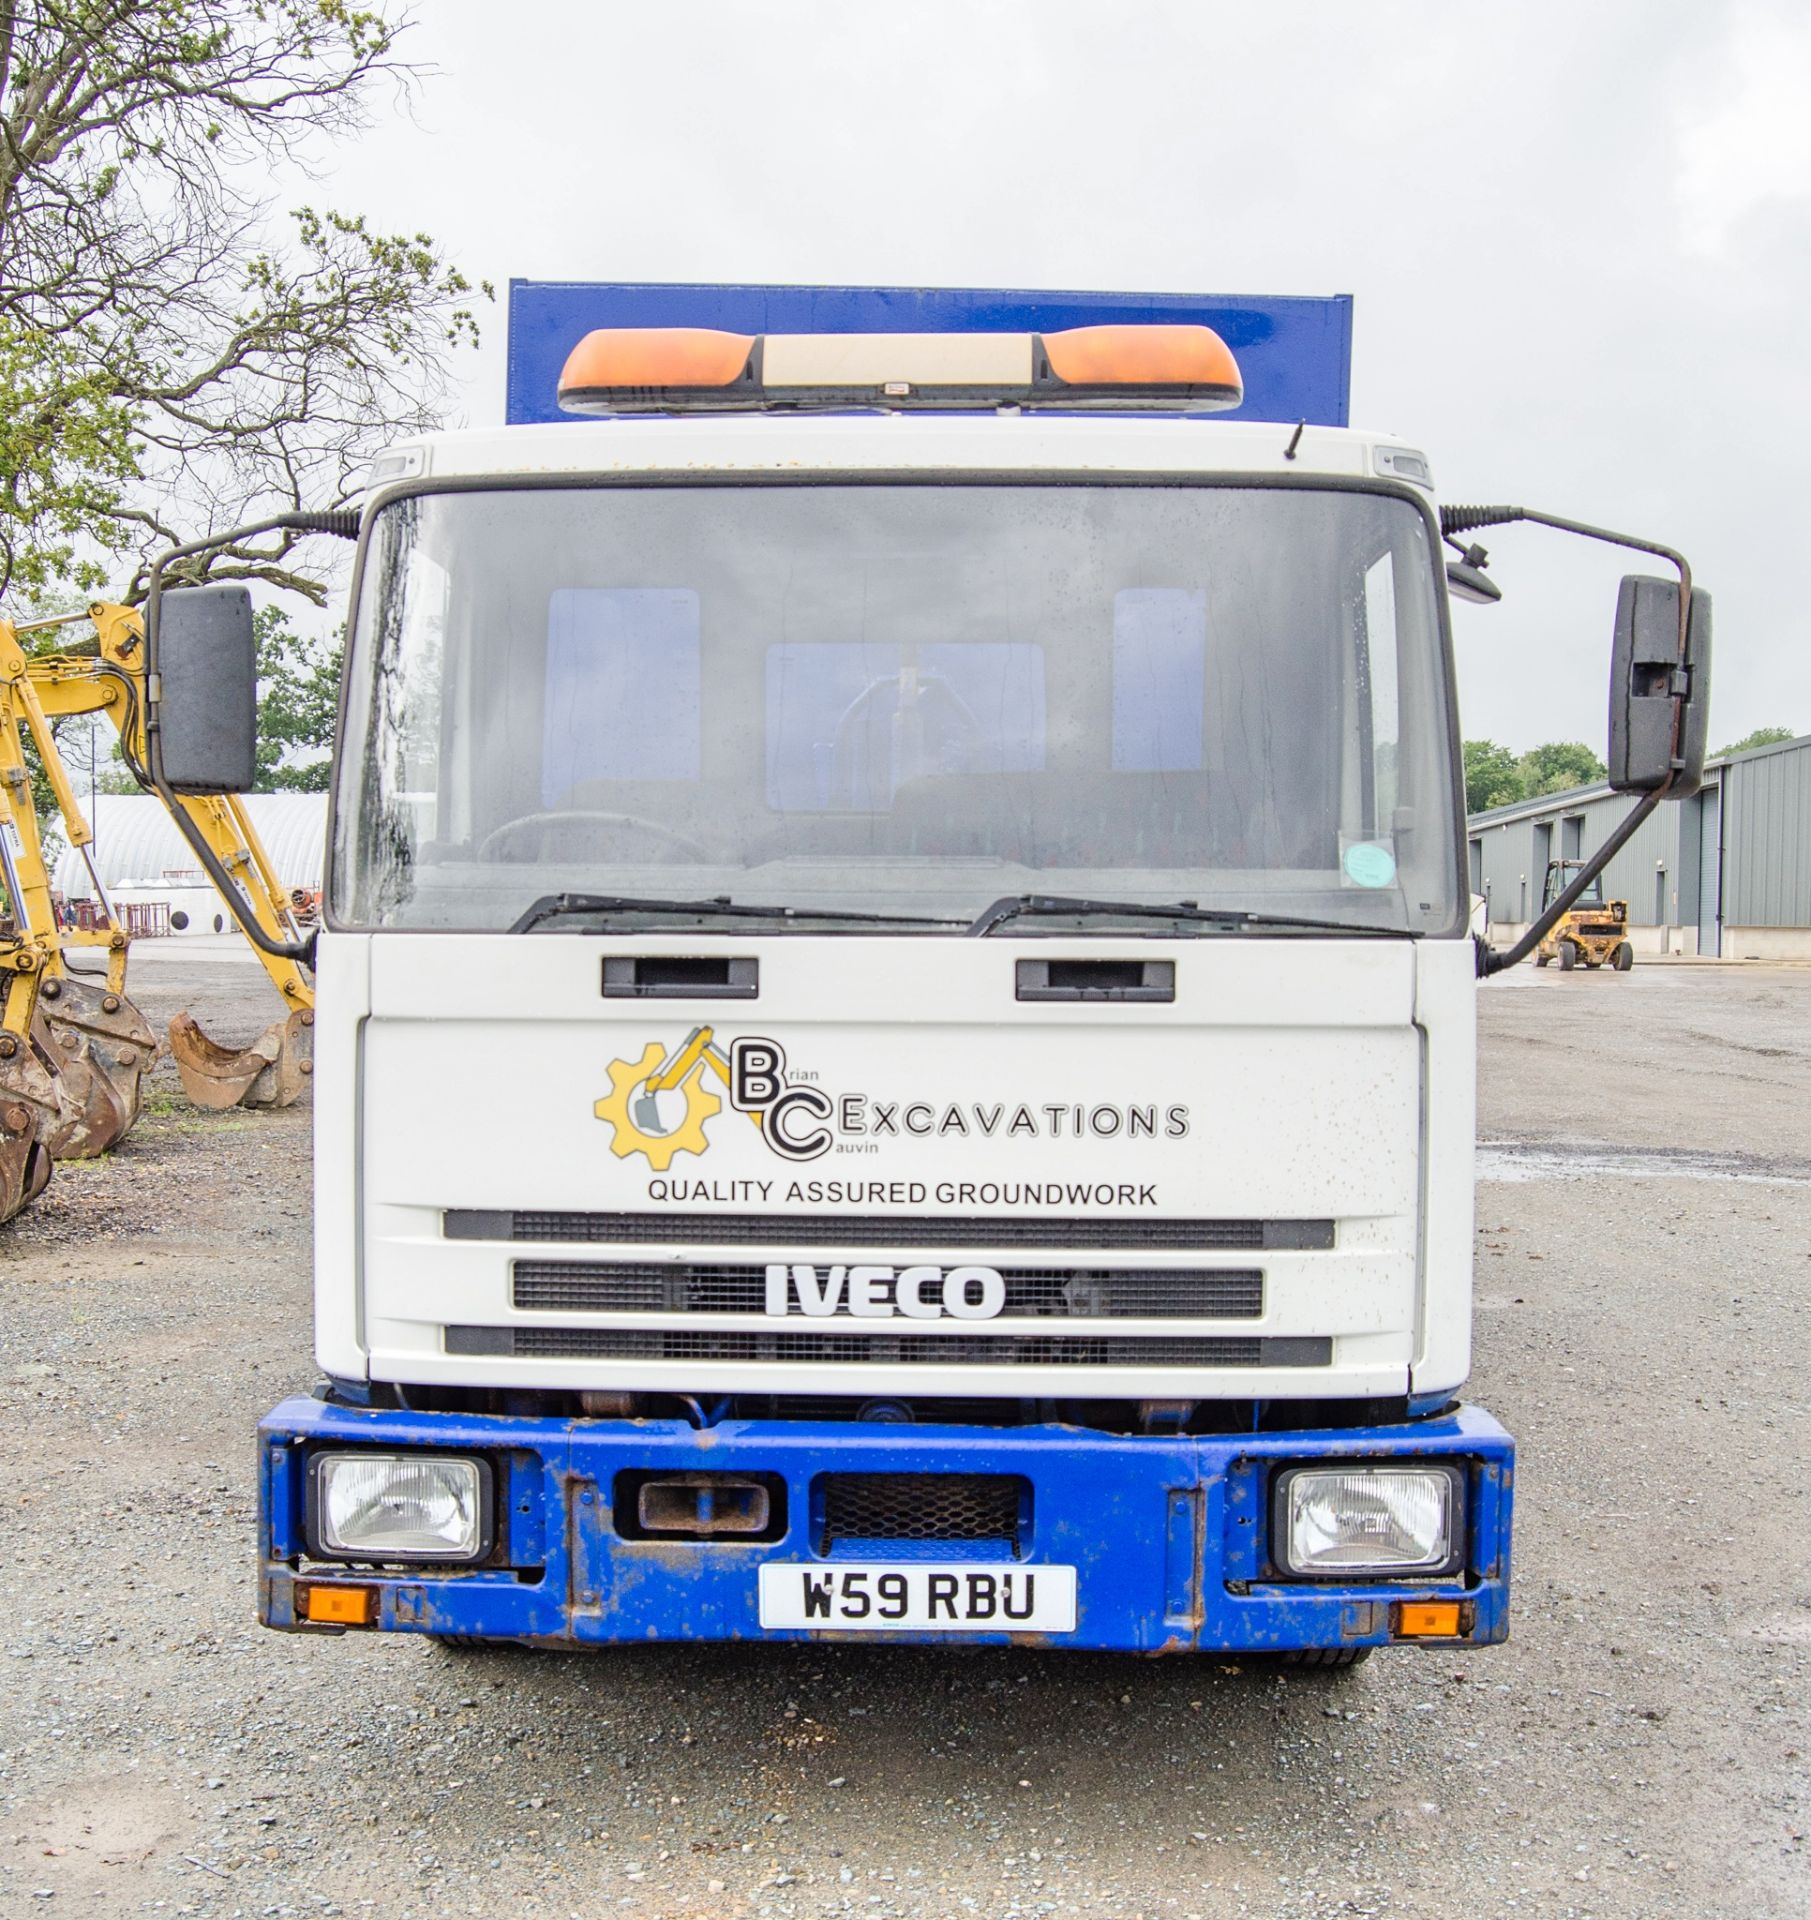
<point x="660" y="1102"/>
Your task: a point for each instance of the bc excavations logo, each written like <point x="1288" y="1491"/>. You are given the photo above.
<point x="658" y="1105"/>
<point x="661" y="1103"/>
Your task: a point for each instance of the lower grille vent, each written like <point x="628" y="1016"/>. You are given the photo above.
<point x="922" y="1506"/>
<point x="1156" y="1293"/>
<point x="849" y="1349"/>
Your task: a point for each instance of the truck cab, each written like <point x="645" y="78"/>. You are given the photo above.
<point x="895" y="1038"/>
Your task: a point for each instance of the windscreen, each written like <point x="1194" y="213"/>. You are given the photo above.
<point x="909" y="700"/>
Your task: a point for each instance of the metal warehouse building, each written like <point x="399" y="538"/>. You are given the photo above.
<point x="1727" y="873"/>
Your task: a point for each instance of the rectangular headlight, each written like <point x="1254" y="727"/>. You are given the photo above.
<point x="1368" y="1520"/>
<point x="399" y="1506"/>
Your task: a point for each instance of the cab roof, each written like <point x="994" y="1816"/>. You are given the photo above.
<point x="1006" y="442"/>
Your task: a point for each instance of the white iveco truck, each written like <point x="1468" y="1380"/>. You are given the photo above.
<point x="896" y="1013"/>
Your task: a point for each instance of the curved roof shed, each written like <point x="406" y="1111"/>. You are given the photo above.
<point x="135" y="839"/>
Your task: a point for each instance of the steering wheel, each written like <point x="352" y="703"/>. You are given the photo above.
<point x="544" y="822"/>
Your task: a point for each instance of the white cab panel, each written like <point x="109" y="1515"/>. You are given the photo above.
<point x="1284" y="1082"/>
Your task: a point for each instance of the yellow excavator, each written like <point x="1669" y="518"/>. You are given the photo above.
<point x="72" y="1053"/>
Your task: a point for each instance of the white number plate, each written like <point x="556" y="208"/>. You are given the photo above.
<point x="919" y="1596"/>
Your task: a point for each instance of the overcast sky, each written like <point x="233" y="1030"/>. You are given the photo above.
<point x="1576" y="235"/>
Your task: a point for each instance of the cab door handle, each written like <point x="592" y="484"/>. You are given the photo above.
<point x="669" y="976"/>
<point x="1144" y="980"/>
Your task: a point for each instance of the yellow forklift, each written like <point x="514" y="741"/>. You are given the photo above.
<point x="1591" y="931"/>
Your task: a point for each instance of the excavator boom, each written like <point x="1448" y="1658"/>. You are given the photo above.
<point x="271" y="1071"/>
<point x="73" y="1053"/>
<point x="79" y="1050"/>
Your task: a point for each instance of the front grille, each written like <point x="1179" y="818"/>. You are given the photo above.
<point x="1157" y="1293"/>
<point x="922" y="1506"/>
<point x="885" y="1349"/>
<point x="891" y="1230"/>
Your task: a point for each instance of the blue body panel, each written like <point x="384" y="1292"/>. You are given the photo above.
<point x="1295" y="352"/>
<point x="1167" y="1533"/>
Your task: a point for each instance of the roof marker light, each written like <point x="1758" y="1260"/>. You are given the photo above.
<point x="1404" y="463"/>
<point x="687" y="369"/>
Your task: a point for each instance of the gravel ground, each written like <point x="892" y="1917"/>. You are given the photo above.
<point x="1644" y="1257"/>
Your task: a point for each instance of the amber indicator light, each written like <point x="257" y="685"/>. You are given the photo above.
<point x="339" y="1606"/>
<point x="1427" y="1620"/>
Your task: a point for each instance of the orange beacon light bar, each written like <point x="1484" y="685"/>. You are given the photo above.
<point x="1180" y="368"/>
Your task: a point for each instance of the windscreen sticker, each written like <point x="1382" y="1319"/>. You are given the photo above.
<point x="1370" y="865"/>
<point x="674" y="1099"/>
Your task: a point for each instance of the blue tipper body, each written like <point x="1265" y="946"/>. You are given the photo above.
<point x="1295" y="352"/>
<point x="1169" y="1536"/>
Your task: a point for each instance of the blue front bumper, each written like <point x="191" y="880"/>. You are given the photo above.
<point x="1168" y="1534"/>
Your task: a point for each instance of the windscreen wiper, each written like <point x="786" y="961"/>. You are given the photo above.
<point x="1015" y="905"/>
<point x="563" y="906"/>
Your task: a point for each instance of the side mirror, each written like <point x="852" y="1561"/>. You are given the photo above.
<point x="207" y="664"/>
<point x="1653" y="700"/>
<point x="1466" y="582"/>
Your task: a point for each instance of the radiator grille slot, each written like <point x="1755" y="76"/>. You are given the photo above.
<point x="885" y="1349"/>
<point x="891" y="1230"/>
<point x="1099" y="1293"/>
<point x="922" y="1506"/>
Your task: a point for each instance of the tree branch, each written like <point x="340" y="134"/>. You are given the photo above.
<point x="166" y="363"/>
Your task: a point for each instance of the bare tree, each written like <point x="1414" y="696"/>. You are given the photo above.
<point x="167" y="366"/>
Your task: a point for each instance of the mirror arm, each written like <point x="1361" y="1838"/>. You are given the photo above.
<point x="228" y="888"/>
<point x="1457" y="520"/>
<point x="345" y="525"/>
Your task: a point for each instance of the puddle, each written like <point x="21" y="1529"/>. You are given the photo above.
<point x="1514" y="1160"/>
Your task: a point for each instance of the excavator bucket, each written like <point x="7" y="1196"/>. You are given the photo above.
<point x="100" y="1047"/>
<point x="24" y="1168"/>
<point x="268" y="1073"/>
<point x="28" y="1105"/>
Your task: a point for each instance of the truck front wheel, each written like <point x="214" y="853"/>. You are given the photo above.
<point x="1568" y="955"/>
<point x="1623" y="958"/>
<point x="1324" y="1656"/>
